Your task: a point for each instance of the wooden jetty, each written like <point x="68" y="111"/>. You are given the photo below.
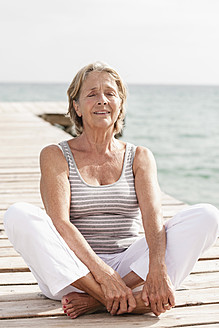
<point x="22" y="135"/>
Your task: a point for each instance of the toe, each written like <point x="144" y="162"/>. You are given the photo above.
<point x="66" y="299"/>
<point x="67" y="306"/>
<point x="69" y="312"/>
<point x="75" y="314"/>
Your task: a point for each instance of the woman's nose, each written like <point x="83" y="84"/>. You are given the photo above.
<point x="102" y="100"/>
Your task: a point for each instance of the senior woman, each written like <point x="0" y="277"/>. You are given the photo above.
<point x="86" y="248"/>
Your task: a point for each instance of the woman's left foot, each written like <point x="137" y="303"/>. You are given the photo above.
<point x="75" y="304"/>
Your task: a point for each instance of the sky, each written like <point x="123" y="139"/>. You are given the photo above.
<point x="147" y="41"/>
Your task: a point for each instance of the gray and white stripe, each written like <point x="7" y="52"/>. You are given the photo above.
<point x="108" y="216"/>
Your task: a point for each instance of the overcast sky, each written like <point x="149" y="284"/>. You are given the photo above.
<point x="147" y="41"/>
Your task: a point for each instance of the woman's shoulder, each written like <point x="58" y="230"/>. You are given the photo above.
<point x="143" y="151"/>
<point x="140" y="151"/>
<point x="52" y="154"/>
<point x="143" y="157"/>
<point x="50" y="150"/>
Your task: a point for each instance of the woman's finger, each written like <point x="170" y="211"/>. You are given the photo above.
<point x="131" y="302"/>
<point x="115" y="307"/>
<point x="160" y="308"/>
<point x="166" y="305"/>
<point x="172" y="299"/>
<point x="154" y="308"/>
<point x="109" y="304"/>
<point x="122" y="306"/>
<point x="144" y="296"/>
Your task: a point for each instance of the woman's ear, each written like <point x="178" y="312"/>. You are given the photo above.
<point x="76" y="107"/>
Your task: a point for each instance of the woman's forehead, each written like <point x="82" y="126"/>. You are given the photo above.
<point x="96" y="79"/>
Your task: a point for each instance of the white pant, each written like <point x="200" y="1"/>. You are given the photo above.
<point x="56" y="267"/>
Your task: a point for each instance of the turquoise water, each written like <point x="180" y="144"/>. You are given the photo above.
<point x="180" y="124"/>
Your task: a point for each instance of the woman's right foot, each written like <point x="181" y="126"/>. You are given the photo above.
<point x="75" y="304"/>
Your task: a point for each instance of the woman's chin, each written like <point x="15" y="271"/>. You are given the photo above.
<point x="103" y="124"/>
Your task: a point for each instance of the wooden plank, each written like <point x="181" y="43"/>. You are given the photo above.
<point x="17" y="278"/>
<point x="17" y="165"/>
<point x="210" y="254"/>
<point x="43" y="128"/>
<point x="202" y="280"/>
<point x="8" y="252"/>
<point x="174" y="207"/>
<point x="197" y="297"/>
<point x="36" y="202"/>
<point x="20" y="293"/>
<point x="60" y="119"/>
<point x="3" y="235"/>
<point x="172" y="210"/>
<point x="21" y="170"/>
<point x="2" y="212"/>
<point x="28" y="159"/>
<point x="177" y="317"/>
<point x="30" y="308"/>
<point x="206" y="266"/>
<point x="170" y="200"/>
<point x="19" y="189"/>
<point x="28" y="197"/>
<point x="19" y="177"/>
<point x="5" y="243"/>
<point x="11" y="264"/>
<point x="38" y="107"/>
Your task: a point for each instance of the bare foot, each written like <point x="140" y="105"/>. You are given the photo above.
<point x="75" y="304"/>
<point x="141" y="308"/>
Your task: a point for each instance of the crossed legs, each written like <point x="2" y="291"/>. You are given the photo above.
<point x="58" y="270"/>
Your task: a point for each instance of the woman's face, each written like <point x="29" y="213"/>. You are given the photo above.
<point x="99" y="102"/>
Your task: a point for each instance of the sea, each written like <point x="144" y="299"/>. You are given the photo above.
<point x="178" y="123"/>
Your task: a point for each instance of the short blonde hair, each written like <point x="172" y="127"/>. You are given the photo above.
<point x="75" y="88"/>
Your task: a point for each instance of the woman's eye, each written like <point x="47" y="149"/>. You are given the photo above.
<point x="91" y="95"/>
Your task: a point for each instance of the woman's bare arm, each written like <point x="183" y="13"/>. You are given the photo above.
<point x="158" y="289"/>
<point x="55" y="192"/>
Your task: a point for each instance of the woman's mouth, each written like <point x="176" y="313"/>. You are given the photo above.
<point x="103" y="112"/>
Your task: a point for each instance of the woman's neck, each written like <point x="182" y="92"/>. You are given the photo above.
<point x="100" y="143"/>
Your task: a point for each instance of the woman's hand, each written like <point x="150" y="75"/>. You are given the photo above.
<point x="158" y="291"/>
<point x="119" y="297"/>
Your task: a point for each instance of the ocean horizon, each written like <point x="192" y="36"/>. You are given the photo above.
<point x="178" y="123"/>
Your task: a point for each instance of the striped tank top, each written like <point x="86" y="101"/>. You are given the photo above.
<point x="108" y="216"/>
